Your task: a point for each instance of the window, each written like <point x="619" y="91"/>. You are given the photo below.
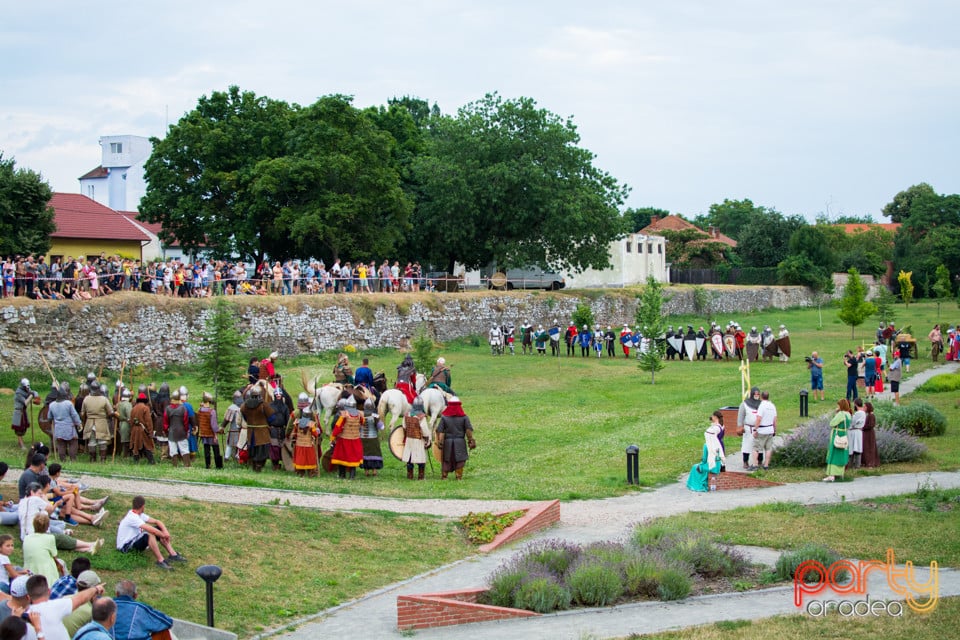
<point x="639" y="247"/>
<point x="90" y="189"/>
<point x="660" y="248"/>
<point x="649" y="247"/>
<point x="116" y="147"/>
<point x="628" y="246"/>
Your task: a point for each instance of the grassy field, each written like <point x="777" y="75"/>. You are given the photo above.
<point x="557" y="427"/>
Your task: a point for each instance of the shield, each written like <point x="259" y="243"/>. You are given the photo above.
<point x="437" y="451"/>
<point x="327" y="460"/>
<point x="44" y="422"/>
<point x="730" y="342"/>
<point x="717" y="342"/>
<point x="396" y="442"/>
<point x="753" y="351"/>
<point x="554" y="333"/>
<point x="784" y="345"/>
<point x="676" y="342"/>
<point x="701" y="343"/>
<point x="690" y="348"/>
<point x="286" y="455"/>
<point x="626" y="339"/>
<point x="770" y="348"/>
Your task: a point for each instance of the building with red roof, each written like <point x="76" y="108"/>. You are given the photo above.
<point x="86" y="227"/>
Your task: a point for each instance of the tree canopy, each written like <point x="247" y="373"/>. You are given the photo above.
<point x="26" y="217"/>
<point x="854" y="308"/>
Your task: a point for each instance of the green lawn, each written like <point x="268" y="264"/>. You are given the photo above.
<point x="557" y="428"/>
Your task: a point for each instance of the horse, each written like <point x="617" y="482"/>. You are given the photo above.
<point x="434" y="402"/>
<point x="325" y="397"/>
<point x="393" y="401"/>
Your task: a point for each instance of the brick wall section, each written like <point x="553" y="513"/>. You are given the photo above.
<point x="727" y="481"/>
<point x="539" y="516"/>
<point x="448" y="608"/>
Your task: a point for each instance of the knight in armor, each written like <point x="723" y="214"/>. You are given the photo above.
<point x="231" y="423"/>
<point x="570" y="337"/>
<point x="347" y="448"/>
<point x="554" y="338"/>
<point x="415" y="440"/>
<point x="306" y="442"/>
<point x="783" y="333"/>
<point x="96" y="414"/>
<point x="256" y="412"/>
<point x="66" y="423"/>
<point x="526" y="338"/>
<point x="176" y="424"/>
<point x="609" y="337"/>
<point x="585" y="338"/>
<point x="159" y="400"/>
<point x="598" y="341"/>
<point x="671" y="351"/>
<point x="455" y="437"/>
<point x="124" y="408"/>
<point x="626" y="340"/>
<point x="208" y="428"/>
<point x="141" y="429"/>
<point x="690" y="338"/>
<point x="740" y="337"/>
<point x="701" y="344"/>
<point x="370" y="430"/>
<point x="715" y="331"/>
<point x="342" y="372"/>
<point x="407" y="378"/>
<point x="753" y="343"/>
<point x="268" y="369"/>
<point x="253" y="371"/>
<point x="22" y="397"/>
<point x="508" y="331"/>
<point x="192" y="445"/>
<point x="768" y="344"/>
<point x="496" y="340"/>
<point x="278" y="427"/>
<point x="540" y="339"/>
<point x="440" y="377"/>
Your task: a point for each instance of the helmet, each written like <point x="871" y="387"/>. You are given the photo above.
<point x="350" y="402"/>
<point x="84" y="388"/>
<point x="91" y="377"/>
<point x="95" y="388"/>
<point x="441" y="361"/>
<point x="274" y="355"/>
<point x="307" y="411"/>
<point x="125" y="393"/>
<point x="207" y="396"/>
<point x="175" y="395"/>
<point x="303" y="397"/>
<point x="119" y="384"/>
<point x="183" y="392"/>
<point x="417" y="405"/>
<point x="63" y="391"/>
<point x="24" y="383"/>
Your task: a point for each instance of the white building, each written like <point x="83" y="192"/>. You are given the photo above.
<point x="118" y="182"/>
<point x="633" y="259"/>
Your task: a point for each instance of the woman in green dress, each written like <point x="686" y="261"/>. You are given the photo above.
<point x="711" y="459"/>
<point x="837" y="456"/>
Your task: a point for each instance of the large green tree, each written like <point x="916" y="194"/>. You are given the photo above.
<point x="899" y="209"/>
<point x="764" y="242"/>
<point x="336" y="192"/>
<point x="649" y="318"/>
<point x="642" y="217"/>
<point x="730" y="217"/>
<point x="200" y="177"/>
<point x="505" y="182"/>
<point x="854" y="307"/>
<point x="26" y="217"/>
<point x="930" y="234"/>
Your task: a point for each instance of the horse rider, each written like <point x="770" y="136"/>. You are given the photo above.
<point x="440" y="377"/>
<point x="342" y="372"/>
<point x="407" y="378"/>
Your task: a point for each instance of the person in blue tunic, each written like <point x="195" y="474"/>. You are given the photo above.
<point x="710" y="460"/>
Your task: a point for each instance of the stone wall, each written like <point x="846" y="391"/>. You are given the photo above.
<point x="157" y="332"/>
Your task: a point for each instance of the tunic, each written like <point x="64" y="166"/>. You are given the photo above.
<point x="855" y="433"/>
<point x="124" y="410"/>
<point x="305" y="440"/>
<point x="455" y="431"/>
<point x="208" y="425"/>
<point x="258" y="431"/>
<point x="140" y="426"/>
<point x="175" y="422"/>
<point x="231" y="417"/>
<point x="94" y="413"/>
<point x="65" y="419"/>
<point x="21" y="421"/>
<point x="870" y="457"/>
<point x="413" y="447"/>
<point x="347" y="450"/>
<point x="370" y="438"/>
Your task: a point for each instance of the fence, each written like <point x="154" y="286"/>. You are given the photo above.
<point x="727" y="275"/>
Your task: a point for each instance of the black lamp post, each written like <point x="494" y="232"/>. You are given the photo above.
<point x="210" y="574"/>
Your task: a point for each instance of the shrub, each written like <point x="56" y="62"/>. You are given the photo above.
<point x="554" y="556"/>
<point x="897" y="446"/>
<point x="504" y="584"/>
<point x="641" y="575"/>
<point x="594" y="583"/>
<point x="788" y="562"/>
<point x="707" y="557"/>
<point x="941" y="383"/>
<point x="614" y="553"/>
<point x="674" y="584"/>
<point x="542" y="594"/>
<point x="806" y="446"/>
<point x="920" y="419"/>
<point x="650" y="534"/>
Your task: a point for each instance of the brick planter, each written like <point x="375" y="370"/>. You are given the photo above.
<point x="538" y="516"/>
<point x="426" y="610"/>
<point x="729" y="480"/>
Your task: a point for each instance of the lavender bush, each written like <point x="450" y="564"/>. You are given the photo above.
<point x="807" y="445"/>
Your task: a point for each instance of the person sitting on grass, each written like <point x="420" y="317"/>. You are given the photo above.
<point x="138" y="531"/>
<point x="8" y="572"/>
<point x="52" y="612"/>
<point x="136" y="620"/>
<point x="104" y="615"/>
<point x="67" y="585"/>
<point x="72" y="503"/>
<point x="35" y="503"/>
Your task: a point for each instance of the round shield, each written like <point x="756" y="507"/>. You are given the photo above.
<point x="396" y="442"/>
<point x="437" y="451"/>
<point x="498" y="280"/>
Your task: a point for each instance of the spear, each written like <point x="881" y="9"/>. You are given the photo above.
<point x="116" y="425"/>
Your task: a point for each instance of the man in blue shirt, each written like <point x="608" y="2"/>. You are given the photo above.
<point x="815" y="364"/>
<point x="104" y="617"/>
<point x="135" y="620"/>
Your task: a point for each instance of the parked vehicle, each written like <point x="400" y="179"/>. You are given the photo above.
<point x="528" y="278"/>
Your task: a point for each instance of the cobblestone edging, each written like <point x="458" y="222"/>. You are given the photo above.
<point x="155" y="333"/>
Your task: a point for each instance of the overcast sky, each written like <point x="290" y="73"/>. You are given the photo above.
<point x="806" y="107"/>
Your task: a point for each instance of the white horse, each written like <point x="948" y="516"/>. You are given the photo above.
<point x="393" y="401"/>
<point x="434" y="402"/>
<point x="325" y="397"/>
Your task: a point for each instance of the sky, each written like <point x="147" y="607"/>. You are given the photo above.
<point x="810" y="108"/>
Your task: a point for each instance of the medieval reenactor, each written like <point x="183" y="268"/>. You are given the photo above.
<point x="740" y="337"/>
<point x="256" y="412"/>
<point x="278" y="422"/>
<point x="208" y="428"/>
<point x="570" y="337"/>
<point x="508" y="331"/>
<point x="22" y="397"/>
<point x="554" y="332"/>
<point x="347" y="448"/>
<point x="370" y="430"/>
<point x="407" y="378"/>
<point x="176" y="424"/>
<point x="526" y="337"/>
<point x="671" y="351"/>
<point x="540" y="339"/>
<point x="609" y="338"/>
<point x="415" y="440"/>
<point x="783" y="343"/>
<point x="690" y="343"/>
<point x="495" y="338"/>
<point x="768" y="344"/>
<point x="716" y="341"/>
<point x="626" y="339"/>
<point x="342" y="372"/>
<point x="440" y="376"/>
<point x="141" y="429"/>
<point x="753" y="345"/>
<point x="455" y="437"/>
<point x="96" y="414"/>
<point x="701" y="344"/>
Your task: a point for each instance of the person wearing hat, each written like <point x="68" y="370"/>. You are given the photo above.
<point x="570" y="338"/>
<point x="191" y="423"/>
<point x="176" y="424"/>
<point x="268" y="369"/>
<point x="208" y="428"/>
<point x="416" y="437"/>
<point x="440" y="376"/>
<point x="231" y="423"/>
<point x="347" y="448"/>
<point x="407" y="378"/>
<point x="19" y="600"/>
<point x="455" y="436"/>
<point x="83" y="615"/>
<point x="255" y="413"/>
<point x="96" y="413"/>
<point x="278" y="422"/>
<point x="540" y="339"/>
<point x="370" y="430"/>
<point x="103" y="613"/>
<point x="22" y="397"/>
<point x="585" y="338"/>
<point x="626" y="339"/>
<point x="342" y="372"/>
<point x="123" y="417"/>
<point x="141" y="428"/>
<point x="306" y="441"/>
<point x="66" y="421"/>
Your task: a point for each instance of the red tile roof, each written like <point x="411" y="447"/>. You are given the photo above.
<point x="99" y="172"/>
<point x="77" y="216"/>
<point x="676" y="223"/>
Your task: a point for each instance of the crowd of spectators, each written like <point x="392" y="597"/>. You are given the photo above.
<point x="83" y="278"/>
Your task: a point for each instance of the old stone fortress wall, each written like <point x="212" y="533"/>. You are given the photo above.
<point x="156" y="332"/>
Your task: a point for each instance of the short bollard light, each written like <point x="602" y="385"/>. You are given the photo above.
<point x="210" y="574"/>
<point x="633" y="464"/>
<point x="804" y="403"/>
